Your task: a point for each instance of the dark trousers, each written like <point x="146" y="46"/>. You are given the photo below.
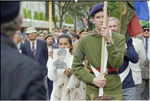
<point x="50" y="87"/>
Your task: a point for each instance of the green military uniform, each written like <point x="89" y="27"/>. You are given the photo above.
<point x="90" y="47"/>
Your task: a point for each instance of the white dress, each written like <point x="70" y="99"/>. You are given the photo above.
<point x="65" y="88"/>
<point x="54" y="75"/>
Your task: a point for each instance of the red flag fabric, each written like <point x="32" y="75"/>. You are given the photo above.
<point x="134" y="27"/>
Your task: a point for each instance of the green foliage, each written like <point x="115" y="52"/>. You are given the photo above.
<point x="115" y="9"/>
<point x="36" y="15"/>
<point x="56" y="18"/>
<point x="68" y="10"/>
<point x="63" y="8"/>
<point x="41" y="16"/>
<point x="69" y="20"/>
<point x="24" y="12"/>
<point x="46" y="19"/>
<point x="29" y="14"/>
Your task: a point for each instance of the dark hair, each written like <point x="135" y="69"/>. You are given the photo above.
<point x="76" y="36"/>
<point x="66" y="36"/>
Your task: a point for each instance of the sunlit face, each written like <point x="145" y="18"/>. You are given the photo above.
<point x="32" y="36"/>
<point x="146" y="33"/>
<point x="113" y="25"/>
<point x="49" y="40"/>
<point x="64" y="43"/>
<point x="98" y="19"/>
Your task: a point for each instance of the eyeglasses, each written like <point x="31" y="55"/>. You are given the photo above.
<point x="144" y="30"/>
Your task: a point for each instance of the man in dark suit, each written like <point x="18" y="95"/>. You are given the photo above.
<point x="35" y="48"/>
<point x="21" y="76"/>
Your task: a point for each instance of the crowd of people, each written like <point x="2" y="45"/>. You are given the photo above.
<point x="29" y="72"/>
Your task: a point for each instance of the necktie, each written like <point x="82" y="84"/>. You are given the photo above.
<point x="33" y="50"/>
<point x="146" y="45"/>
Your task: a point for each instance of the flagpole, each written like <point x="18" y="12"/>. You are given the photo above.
<point x="50" y="16"/>
<point x="103" y="46"/>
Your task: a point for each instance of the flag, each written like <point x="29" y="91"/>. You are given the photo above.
<point x="128" y="19"/>
<point x="142" y="10"/>
<point x="129" y="22"/>
<point x="134" y="27"/>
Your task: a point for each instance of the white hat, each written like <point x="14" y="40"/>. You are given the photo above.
<point x="31" y="30"/>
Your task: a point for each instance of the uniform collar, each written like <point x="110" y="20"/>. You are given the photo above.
<point x="94" y="32"/>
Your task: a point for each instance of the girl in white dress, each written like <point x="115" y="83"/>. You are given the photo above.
<point x="59" y="77"/>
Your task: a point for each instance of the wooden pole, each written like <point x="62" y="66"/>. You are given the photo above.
<point x="101" y="92"/>
<point x="50" y="16"/>
<point x="103" y="40"/>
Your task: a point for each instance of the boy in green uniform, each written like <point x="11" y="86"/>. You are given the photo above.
<point x="90" y="47"/>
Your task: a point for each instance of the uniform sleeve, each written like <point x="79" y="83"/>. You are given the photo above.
<point x="116" y="51"/>
<point x="131" y="54"/>
<point x="80" y="72"/>
<point x="78" y="68"/>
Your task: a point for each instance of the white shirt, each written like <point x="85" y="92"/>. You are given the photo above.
<point x="137" y="67"/>
<point x="35" y="44"/>
<point x="49" y="48"/>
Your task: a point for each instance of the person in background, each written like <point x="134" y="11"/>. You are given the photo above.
<point x="55" y="36"/>
<point x="137" y="67"/>
<point x="145" y="87"/>
<point x="37" y="50"/>
<point x="65" y="27"/>
<point x="24" y="36"/>
<point x="128" y="85"/>
<point x="45" y="32"/>
<point x="70" y="28"/>
<point x="75" y="37"/>
<point x="21" y="77"/>
<point x="18" y="40"/>
<point x="83" y="31"/>
<point x="40" y="35"/>
<point x="90" y="47"/>
<point x="54" y="74"/>
<point x="49" y="40"/>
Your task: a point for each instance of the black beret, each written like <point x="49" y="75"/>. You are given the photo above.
<point x="9" y="10"/>
<point x="96" y="8"/>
